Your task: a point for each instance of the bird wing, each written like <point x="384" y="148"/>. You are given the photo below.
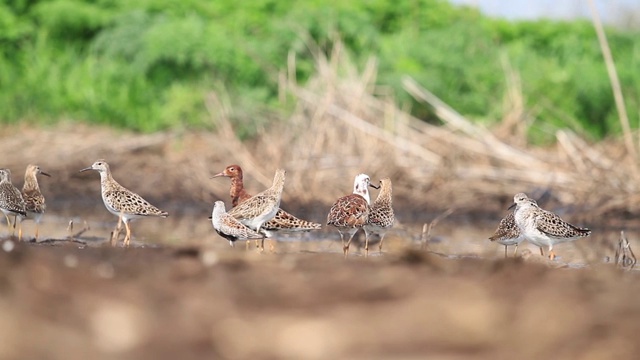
<point x="349" y="211"/>
<point x="507" y="229"/>
<point x="253" y="207"/>
<point x="552" y="225"/>
<point x="285" y="221"/>
<point x="131" y="203"/>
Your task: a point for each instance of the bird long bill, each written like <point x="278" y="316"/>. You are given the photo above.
<point x="85" y="169"/>
<point x="374" y="186"/>
<point x="512" y="206"/>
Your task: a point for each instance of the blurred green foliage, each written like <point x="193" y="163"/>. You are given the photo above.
<point x="147" y="65"/>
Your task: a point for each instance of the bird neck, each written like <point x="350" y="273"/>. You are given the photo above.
<point x="106" y="180"/>
<point x="30" y="183"/>
<point x="384" y="196"/>
<point x="237" y="192"/>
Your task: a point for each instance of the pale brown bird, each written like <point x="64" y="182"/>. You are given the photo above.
<point x="229" y="227"/>
<point x="121" y="201"/>
<point x="381" y="217"/>
<point x="34" y="201"/>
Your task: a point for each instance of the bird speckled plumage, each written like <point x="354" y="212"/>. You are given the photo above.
<point x="35" y="204"/>
<point x="351" y="212"/>
<point x="262" y="207"/>
<point x="508" y="233"/>
<point x="11" y="201"/>
<point x="542" y="227"/>
<point x="381" y="216"/>
<point x="229" y="227"/>
<point x="120" y="201"/>
<point x="282" y="221"/>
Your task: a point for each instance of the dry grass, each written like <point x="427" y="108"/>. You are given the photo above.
<point x="340" y="127"/>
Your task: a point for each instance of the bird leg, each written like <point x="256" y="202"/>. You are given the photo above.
<point x="9" y="226"/>
<point x="380" y="245"/>
<point x="541" y="253"/>
<point x="127" y="238"/>
<point x="8" y="221"/>
<point x="37" y="231"/>
<point x="366" y="244"/>
<point x="505" y="251"/>
<point x="116" y="233"/>
<point x="346" y="247"/>
<point x="248" y="242"/>
<point x="514" y="251"/>
<point x="552" y="255"/>
<point x="19" y="225"/>
<point x="13" y="229"/>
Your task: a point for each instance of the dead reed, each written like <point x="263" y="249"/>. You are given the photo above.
<point x="344" y="124"/>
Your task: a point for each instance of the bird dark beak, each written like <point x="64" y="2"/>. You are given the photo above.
<point x="44" y="173"/>
<point x="218" y="175"/>
<point x="374" y="186"/>
<point x="85" y="169"/>
<point x="512" y="206"/>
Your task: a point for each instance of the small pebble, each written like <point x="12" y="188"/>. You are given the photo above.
<point x="8" y="246"/>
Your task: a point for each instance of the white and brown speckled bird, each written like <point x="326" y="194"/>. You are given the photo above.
<point x="262" y="207"/>
<point x="508" y="233"/>
<point x="381" y="217"/>
<point x="282" y="221"/>
<point x="351" y="212"/>
<point x="229" y="227"/>
<point x="33" y="199"/>
<point x="542" y="227"/>
<point x="11" y="201"/>
<point x="122" y="202"/>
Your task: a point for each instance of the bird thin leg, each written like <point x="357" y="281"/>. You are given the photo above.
<point x="380" y="245"/>
<point x="541" y="253"/>
<point x="552" y="255"/>
<point x="248" y="242"/>
<point x="346" y="247"/>
<point x="366" y="244"/>
<point x="127" y="238"/>
<point x="8" y="221"/>
<point x="13" y="229"/>
<point x="515" y="251"/>
<point x="19" y="229"/>
<point x="505" y="251"/>
<point x="272" y="245"/>
<point x="116" y="233"/>
<point x="37" y="226"/>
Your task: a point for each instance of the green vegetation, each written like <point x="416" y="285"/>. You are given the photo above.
<point x="148" y="64"/>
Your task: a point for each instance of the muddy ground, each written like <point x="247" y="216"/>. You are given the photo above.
<point x="182" y="293"/>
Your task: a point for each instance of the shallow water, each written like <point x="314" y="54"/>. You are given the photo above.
<point x="453" y="240"/>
